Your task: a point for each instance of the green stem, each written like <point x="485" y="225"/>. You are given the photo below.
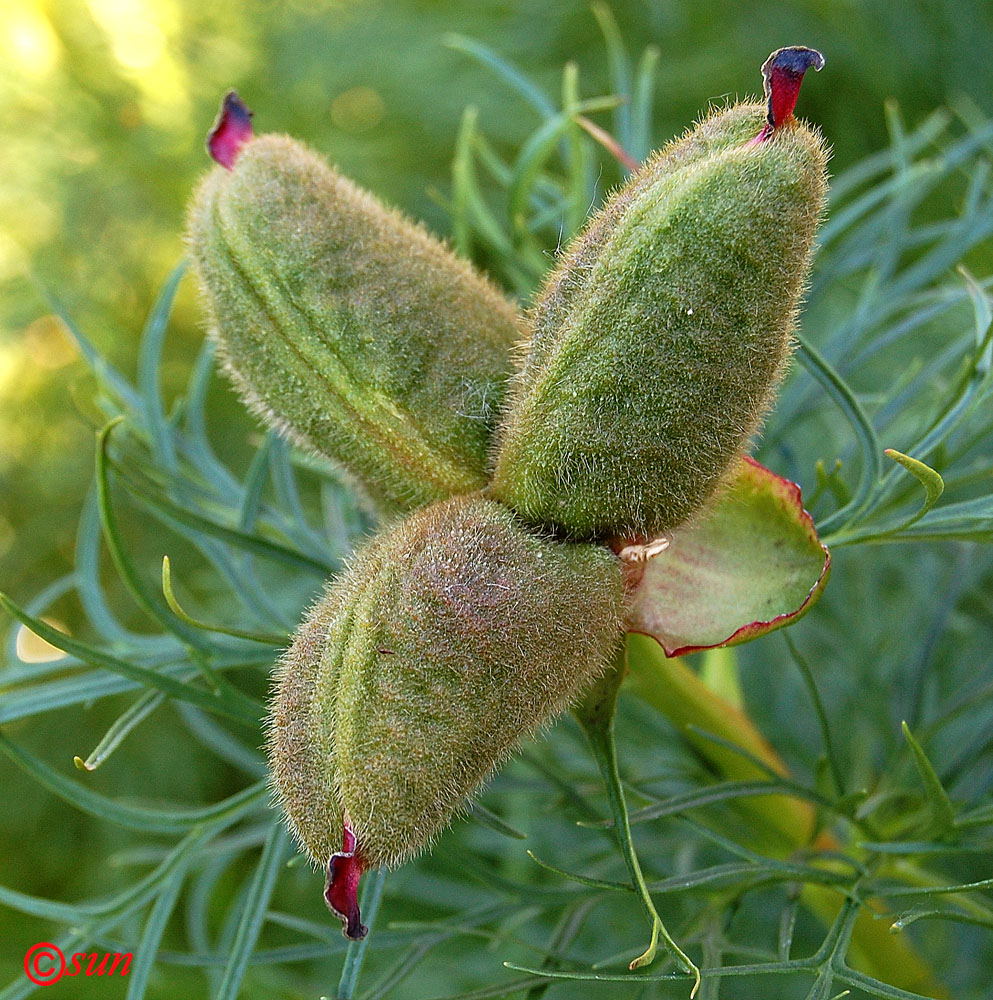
<point x="596" y="716"/>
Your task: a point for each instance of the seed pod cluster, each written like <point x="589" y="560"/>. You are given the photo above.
<point x="492" y="601"/>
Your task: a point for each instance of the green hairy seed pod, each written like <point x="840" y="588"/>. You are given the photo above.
<point x="448" y="638"/>
<point x="659" y="338"/>
<point x="348" y="327"/>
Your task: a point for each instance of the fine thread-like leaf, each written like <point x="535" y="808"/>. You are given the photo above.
<point x="149" y="365"/>
<point x="355" y="955"/>
<point x="490" y="819"/>
<point x="265" y="638"/>
<point x="596" y="716"/>
<point x="253" y="915"/>
<point x="620" y="71"/>
<point x="151" y="936"/>
<point x="865" y="433"/>
<point x="124" y="725"/>
<point x="942" y="810"/>
<point x="131" y="816"/>
<point x="242" y="709"/>
<point x="932" y="482"/>
<point x="822" y="720"/>
<point x="510" y="75"/>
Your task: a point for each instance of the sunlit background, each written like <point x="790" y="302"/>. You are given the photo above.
<point x="104" y="105"/>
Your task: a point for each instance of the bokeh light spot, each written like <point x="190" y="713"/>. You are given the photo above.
<point x="29" y="40"/>
<point x="357" y="110"/>
<point x="32" y="648"/>
<point x="47" y="344"/>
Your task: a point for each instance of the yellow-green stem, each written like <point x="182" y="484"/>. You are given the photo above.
<point x="596" y="716"/>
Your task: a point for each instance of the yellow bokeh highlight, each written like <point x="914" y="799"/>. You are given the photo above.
<point x="47" y="344"/>
<point x="357" y="110"/>
<point x="136" y="39"/>
<point x="27" y="40"/>
<point x="141" y="36"/>
<point x="32" y="648"/>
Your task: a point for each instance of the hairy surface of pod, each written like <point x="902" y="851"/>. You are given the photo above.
<point x="449" y="637"/>
<point x="659" y="338"/>
<point x="350" y="328"/>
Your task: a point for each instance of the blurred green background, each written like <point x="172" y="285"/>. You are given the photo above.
<point x="104" y="105"/>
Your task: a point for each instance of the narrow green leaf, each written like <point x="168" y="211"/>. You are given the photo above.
<point x="44" y="909"/>
<point x="596" y="716"/>
<point x="505" y="989"/>
<point x="88" y="582"/>
<point x="265" y="638"/>
<point x="510" y="75"/>
<point x="149" y="366"/>
<point x="254" y="486"/>
<point x="815" y="697"/>
<point x="620" y="70"/>
<point x="244" y="710"/>
<point x="151" y="935"/>
<point x="878" y="989"/>
<point x="642" y="103"/>
<point x="372" y="895"/>
<point x="140" y="592"/>
<point x="125" y="724"/>
<point x="240" y="539"/>
<point x="774" y="969"/>
<point x="931" y="890"/>
<point x="822" y="985"/>
<point x="593" y="883"/>
<point x="844" y="397"/>
<point x="983" y="312"/>
<point x="132" y="817"/>
<point x="253" y="914"/>
<point x="576" y="189"/>
<point x="462" y="179"/>
<point x="403" y="966"/>
<point x="495" y="823"/>
<point x="288" y="498"/>
<point x="535" y="153"/>
<point x="955" y="916"/>
<point x="195" y="444"/>
<point x="942" y="810"/>
<point x="220" y="742"/>
<point x="722" y="792"/>
<point x="932" y="482"/>
<point x="105" y="373"/>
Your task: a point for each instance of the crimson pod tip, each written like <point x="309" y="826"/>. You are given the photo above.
<point x="782" y="74"/>
<point x="341" y="893"/>
<point x="231" y="130"/>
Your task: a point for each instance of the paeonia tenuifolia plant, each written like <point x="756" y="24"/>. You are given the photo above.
<point x="549" y="479"/>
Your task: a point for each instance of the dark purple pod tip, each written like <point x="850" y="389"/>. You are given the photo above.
<point x="341" y="892"/>
<point x="231" y="130"/>
<point x="782" y="74"/>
